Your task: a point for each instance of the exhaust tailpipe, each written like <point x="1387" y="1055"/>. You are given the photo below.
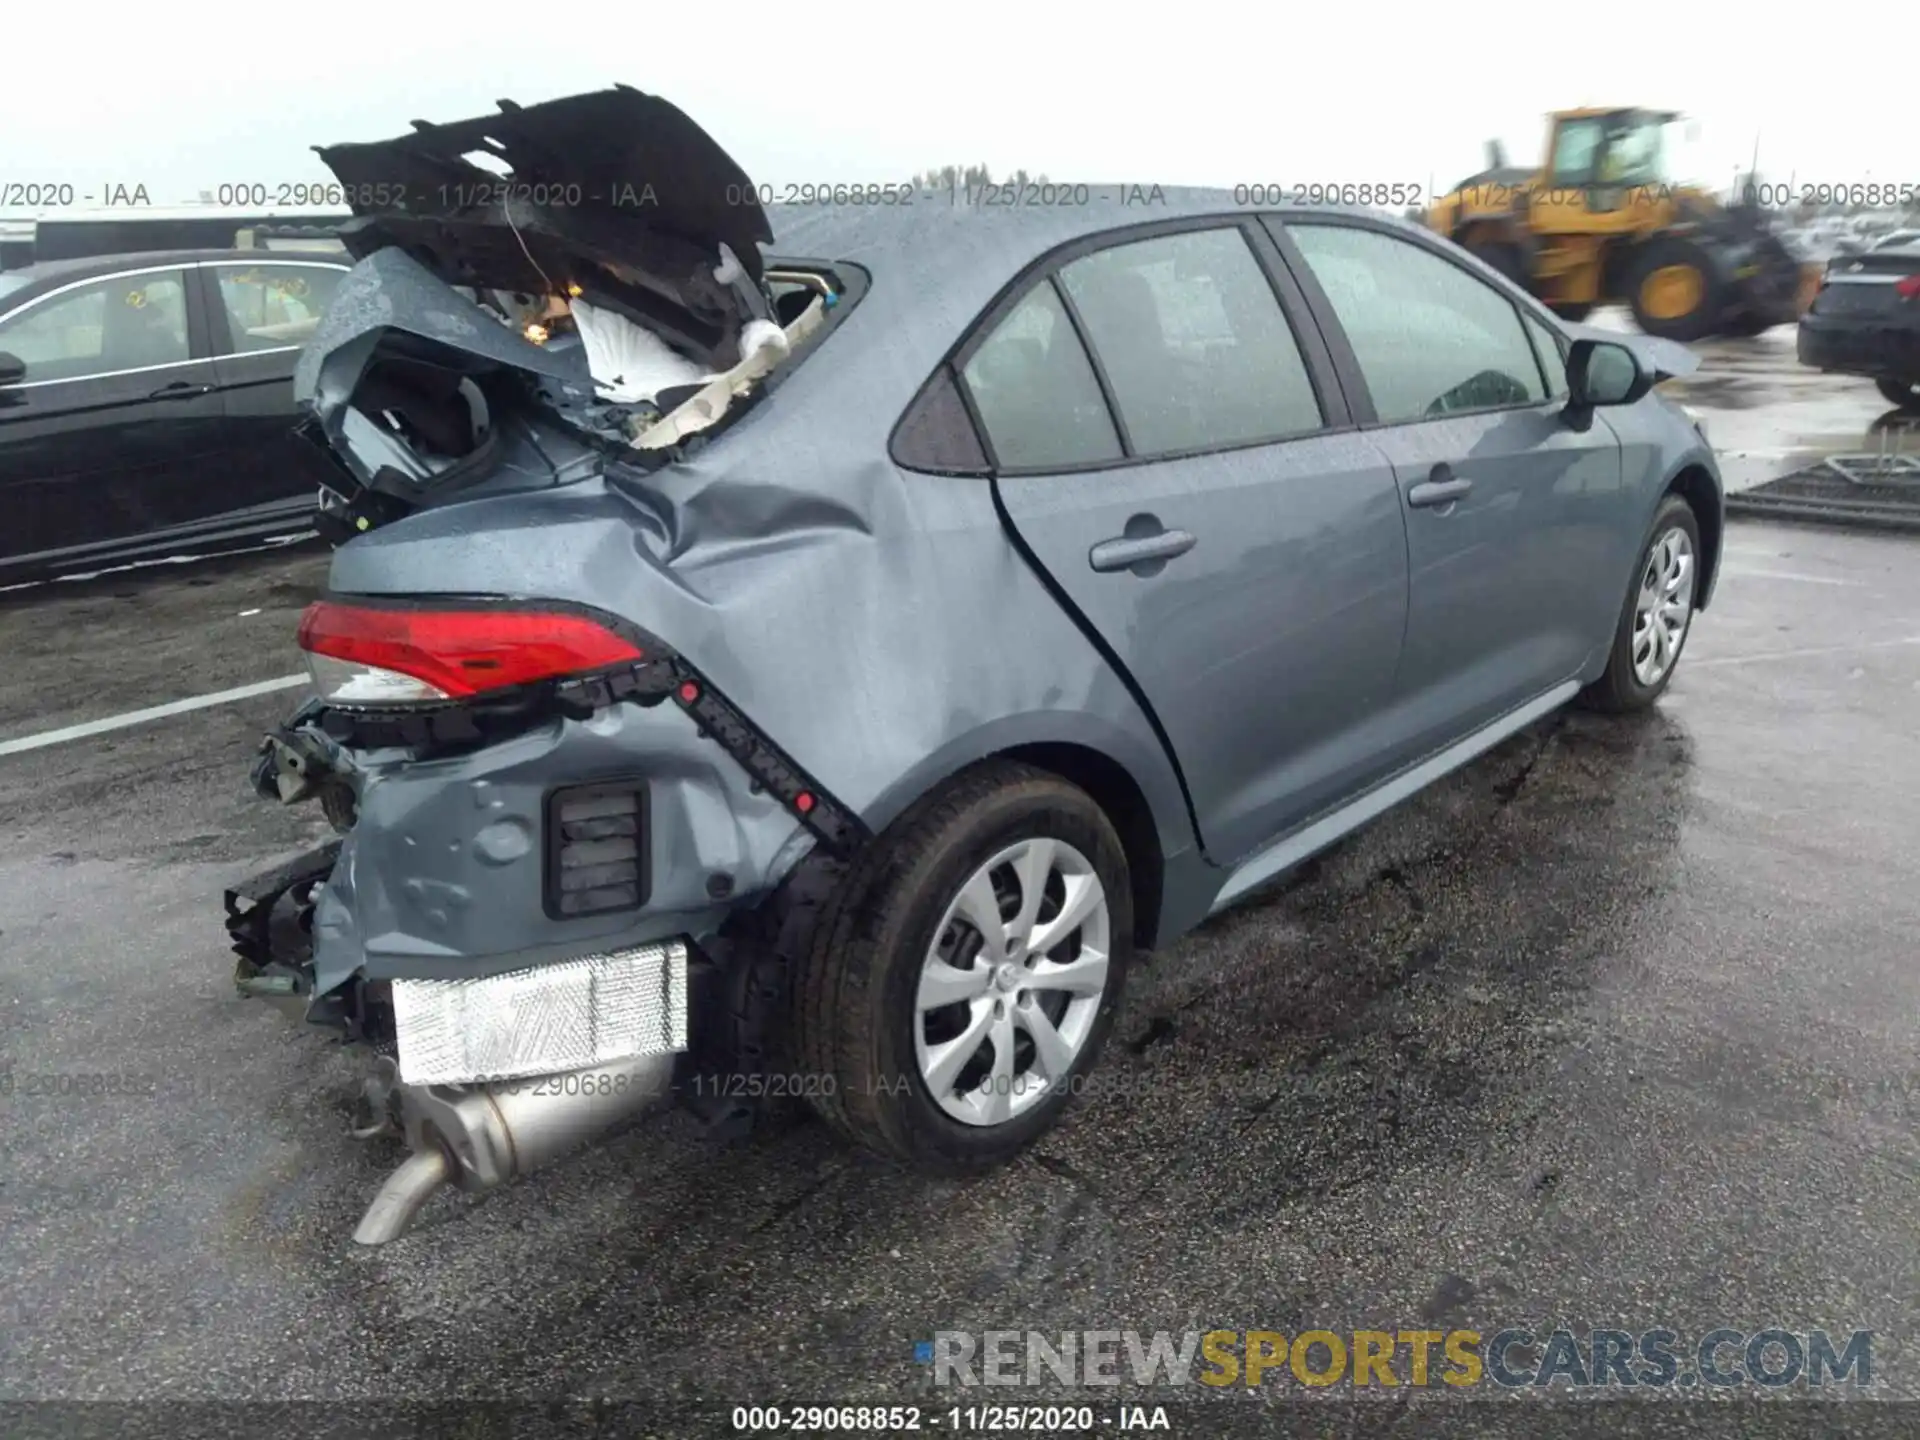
<point x="479" y="1137"/>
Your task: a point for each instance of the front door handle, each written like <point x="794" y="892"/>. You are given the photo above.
<point x="1442" y="487"/>
<point x="1141" y="553"/>
<point x="180" y="390"/>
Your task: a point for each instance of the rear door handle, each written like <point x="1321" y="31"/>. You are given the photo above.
<point x="1126" y="552"/>
<point x="1442" y="487"/>
<point x="180" y="390"/>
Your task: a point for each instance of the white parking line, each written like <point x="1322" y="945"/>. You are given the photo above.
<point x="1810" y="653"/>
<point x="141" y="717"/>
<point x="1741" y="573"/>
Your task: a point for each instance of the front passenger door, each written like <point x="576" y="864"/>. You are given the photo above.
<point x="1509" y="510"/>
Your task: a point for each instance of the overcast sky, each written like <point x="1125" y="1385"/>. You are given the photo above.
<point x="1189" y="93"/>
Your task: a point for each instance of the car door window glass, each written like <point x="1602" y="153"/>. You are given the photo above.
<point x="128" y="322"/>
<point x="1553" y="357"/>
<point x="1035" y="389"/>
<point x="1431" y="338"/>
<point x="1193" y="342"/>
<point x="270" y="307"/>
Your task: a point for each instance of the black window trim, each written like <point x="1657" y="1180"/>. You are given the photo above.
<point x="1336" y="411"/>
<point x="1561" y="345"/>
<point x="1122" y="432"/>
<point x="1367" y="415"/>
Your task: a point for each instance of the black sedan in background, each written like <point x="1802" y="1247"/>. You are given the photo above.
<point x="1865" y="320"/>
<point x="146" y="405"/>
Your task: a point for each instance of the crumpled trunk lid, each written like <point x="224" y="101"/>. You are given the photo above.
<point x="597" y="170"/>
<point x="539" y="291"/>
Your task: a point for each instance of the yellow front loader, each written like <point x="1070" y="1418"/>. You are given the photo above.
<point x="1600" y="222"/>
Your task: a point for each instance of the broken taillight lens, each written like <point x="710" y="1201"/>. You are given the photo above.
<point x="371" y="655"/>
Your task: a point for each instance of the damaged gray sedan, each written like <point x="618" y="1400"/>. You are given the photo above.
<point x="812" y="667"/>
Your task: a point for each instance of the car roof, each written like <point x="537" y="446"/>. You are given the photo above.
<point x="1048" y="213"/>
<point x="937" y="262"/>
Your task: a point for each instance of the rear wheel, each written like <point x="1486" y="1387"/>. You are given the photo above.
<point x="1904" y="393"/>
<point x="1673" y="291"/>
<point x="969" y="972"/>
<point x="1657" y="616"/>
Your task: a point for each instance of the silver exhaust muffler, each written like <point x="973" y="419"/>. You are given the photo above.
<point x="479" y="1137"/>
<point x="552" y="1020"/>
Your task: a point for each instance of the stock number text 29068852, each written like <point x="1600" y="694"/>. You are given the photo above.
<point x="394" y="195"/>
<point x="1780" y="194"/>
<point x="896" y="1419"/>
<point x="1332" y="192"/>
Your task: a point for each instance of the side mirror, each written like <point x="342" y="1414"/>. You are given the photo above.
<point x="12" y="368"/>
<point x="1602" y="373"/>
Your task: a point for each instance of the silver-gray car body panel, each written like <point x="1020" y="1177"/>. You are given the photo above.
<point x="877" y="624"/>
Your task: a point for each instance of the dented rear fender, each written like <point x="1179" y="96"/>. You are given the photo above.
<point x="876" y="624"/>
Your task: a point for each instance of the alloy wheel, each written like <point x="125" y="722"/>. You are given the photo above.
<point x="1011" y="986"/>
<point x="1664" y="607"/>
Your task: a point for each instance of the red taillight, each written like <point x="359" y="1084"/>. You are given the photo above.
<point x="366" y="655"/>
<point x="1908" y="288"/>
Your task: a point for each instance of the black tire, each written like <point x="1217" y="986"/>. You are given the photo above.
<point x="1619" y="689"/>
<point x="1505" y="258"/>
<point x="761" y="951"/>
<point x="1904" y="393"/>
<point x="1747" y="326"/>
<point x="854" y="1018"/>
<point x="1573" y="314"/>
<point x="1675" y="251"/>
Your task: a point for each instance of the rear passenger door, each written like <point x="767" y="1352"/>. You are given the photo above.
<point x="1171" y="449"/>
<point x="1510" y="512"/>
<point x="260" y="314"/>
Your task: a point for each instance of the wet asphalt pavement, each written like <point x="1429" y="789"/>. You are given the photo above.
<point x="1615" y="1028"/>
